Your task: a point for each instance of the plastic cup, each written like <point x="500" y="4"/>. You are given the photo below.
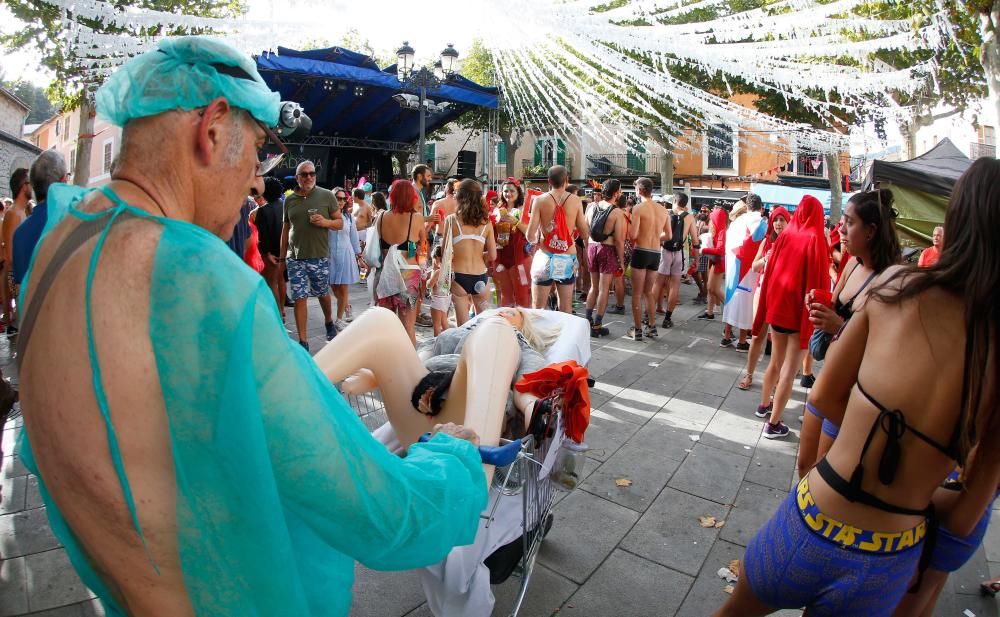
<point x="822" y="296"/>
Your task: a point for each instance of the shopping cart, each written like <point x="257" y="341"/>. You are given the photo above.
<point x="523" y="469"/>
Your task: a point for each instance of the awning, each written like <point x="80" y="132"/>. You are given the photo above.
<point x="346" y="95"/>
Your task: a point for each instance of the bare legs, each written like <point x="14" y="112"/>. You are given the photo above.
<point x="480" y="302"/>
<point x="743" y="603"/>
<point x="340" y="292"/>
<point x="643" y="286"/>
<point x="715" y="297"/>
<point x="757" y="345"/>
<point x="785" y="360"/>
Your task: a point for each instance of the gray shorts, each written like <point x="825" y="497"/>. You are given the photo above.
<point x="671" y="263"/>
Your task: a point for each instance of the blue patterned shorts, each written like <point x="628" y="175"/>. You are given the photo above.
<point x="309" y="278"/>
<point x="790" y="564"/>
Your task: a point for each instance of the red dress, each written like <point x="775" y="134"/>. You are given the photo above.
<point x="799" y="262"/>
<point x="251" y="255"/>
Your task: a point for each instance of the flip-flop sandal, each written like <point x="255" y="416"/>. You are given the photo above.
<point x="990" y="588"/>
<point x="746" y="382"/>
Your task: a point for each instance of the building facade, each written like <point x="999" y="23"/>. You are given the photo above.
<point x="15" y="152"/>
<point x="61" y="131"/>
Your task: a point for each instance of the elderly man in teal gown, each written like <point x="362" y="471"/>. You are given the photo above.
<point x="193" y="459"/>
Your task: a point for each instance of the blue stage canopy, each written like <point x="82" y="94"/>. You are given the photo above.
<point x="346" y="95"/>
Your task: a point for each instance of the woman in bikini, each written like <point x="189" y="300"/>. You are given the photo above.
<point x="403" y="226"/>
<point x="852" y="534"/>
<point x="869" y="234"/>
<point x="470" y="235"/>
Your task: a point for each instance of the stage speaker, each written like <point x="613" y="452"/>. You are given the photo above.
<point x="467" y="164"/>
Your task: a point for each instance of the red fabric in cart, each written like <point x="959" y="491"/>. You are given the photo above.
<point x="572" y="378"/>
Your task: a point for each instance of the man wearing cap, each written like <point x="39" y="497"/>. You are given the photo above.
<point x="185" y="446"/>
<point x="310" y="212"/>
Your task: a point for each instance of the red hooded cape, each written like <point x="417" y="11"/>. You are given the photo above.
<point x="799" y="262"/>
<point x="720" y="218"/>
<point x="835" y="239"/>
<point x="772" y="236"/>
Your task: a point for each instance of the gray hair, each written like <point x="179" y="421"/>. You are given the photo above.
<point x="298" y="168"/>
<point x="48" y="168"/>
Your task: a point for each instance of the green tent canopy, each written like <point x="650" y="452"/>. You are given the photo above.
<point x="921" y="188"/>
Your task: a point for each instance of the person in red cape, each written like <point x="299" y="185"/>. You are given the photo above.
<point x="799" y="263"/>
<point x="776" y="223"/>
<point x="717" y="271"/>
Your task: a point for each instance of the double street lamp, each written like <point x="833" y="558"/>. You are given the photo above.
<point x="421" y="79"/>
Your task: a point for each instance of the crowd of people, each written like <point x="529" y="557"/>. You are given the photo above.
<point x="235" y="443"/>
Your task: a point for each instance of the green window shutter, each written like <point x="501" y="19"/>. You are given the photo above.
<point x="430" y="152"/>
<point x="634" y="159"/>
<point x="539" y="149"/>
<point x="560" y="152"/>
<point x="502" y="153"/>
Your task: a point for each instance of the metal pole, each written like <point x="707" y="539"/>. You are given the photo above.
<point x="422" y="151"/>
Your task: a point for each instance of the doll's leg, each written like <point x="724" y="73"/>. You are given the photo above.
<point x="378" y="342"/>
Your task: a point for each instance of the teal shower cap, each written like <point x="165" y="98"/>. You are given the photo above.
<point x="186" y="73"/>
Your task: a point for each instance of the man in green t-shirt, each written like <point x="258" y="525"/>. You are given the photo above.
<point x="310" y="213"/>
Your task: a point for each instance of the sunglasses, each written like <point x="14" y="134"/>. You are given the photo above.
<point x="340" y="198"/>
<point x="307" y="174"/>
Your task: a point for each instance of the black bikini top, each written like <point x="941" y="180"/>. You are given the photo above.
<point x="846" y="309"/>
<point x="893" y="423"/>
<point x="404" y="245"/>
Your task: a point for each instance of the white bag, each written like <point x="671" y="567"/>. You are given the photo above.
<point x="373" y="249"/>
<point x="390" y="280"/>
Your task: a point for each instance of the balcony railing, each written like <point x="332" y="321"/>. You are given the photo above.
<point x="530" y="170"/>
<point x="442" y="163"/>
<point x="622" y="164"/>
<point x="978" y="150"/>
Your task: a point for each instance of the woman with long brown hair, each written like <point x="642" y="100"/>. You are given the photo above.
<point x="903" y="430"/>
<point x="469" y="245"/>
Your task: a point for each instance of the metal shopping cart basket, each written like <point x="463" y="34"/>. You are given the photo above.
<point x="519" y="474"/>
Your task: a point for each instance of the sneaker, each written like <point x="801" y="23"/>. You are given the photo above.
<point x="706" y="315"/>
<point x="635" y="334"/>
<point x="424" y="321"/>
<point x="617" y="310"/>
<point x="305" y="345"/>
<point x="807" y="381"/>
<point x="726" y="342"/>
<point x="667" y="323"/>
<point x="775" y="431"/>
<point x="764" y="411"/>
<point x="331" y="330"/>
<point x="11" y="331"/>
<point x="598" y="331"/>
<point x="743" y="347"/>
<point x="650" y="332"/>
<point x="348" y="314"/>
<point x="341" y="324"/>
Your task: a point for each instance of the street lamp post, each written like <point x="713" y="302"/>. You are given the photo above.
<point x="423" y="79"/>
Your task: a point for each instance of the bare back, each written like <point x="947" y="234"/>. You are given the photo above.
<point x="929" y="332"/>
<point x="543" y="212"/>
<point x="14" y="217"/>
<point x="63" y="419"/>
<point x="648" y="221"/>
<point x="397" y="227"/>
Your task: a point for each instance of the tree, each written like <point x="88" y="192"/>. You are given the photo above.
<point x="45" y="28"/>
<point x="35" y="98"/>
<point x="478" y="66"/>
<point x="989" y="50"/>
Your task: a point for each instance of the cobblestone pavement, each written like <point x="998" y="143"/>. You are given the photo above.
<point x="666" y="416"/>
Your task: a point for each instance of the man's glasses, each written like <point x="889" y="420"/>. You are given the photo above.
<point x="307" y="174"/>
<point x="341" y="198"/>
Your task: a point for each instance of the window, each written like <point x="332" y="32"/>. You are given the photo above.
<point x="501" y="153"/>
<point x="58" y="126"/>
<point x="989" y="136"/>
<point x="72" y="160"/>
<point x="810" y="165"/>
<point x="109" y="147"/>
<point x="430" y="153"/>
<point x="550" y="151"/>
<point x="720" y="148"/>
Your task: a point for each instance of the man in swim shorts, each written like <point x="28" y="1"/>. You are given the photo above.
<point x="650" y="227"/>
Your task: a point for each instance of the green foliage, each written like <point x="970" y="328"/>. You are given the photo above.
<point x="43" y="28"/>
<point x="34" y="97"/>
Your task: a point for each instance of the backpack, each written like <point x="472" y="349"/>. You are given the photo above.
<point x="600" y="219"/>
<point x="676" y="241"/>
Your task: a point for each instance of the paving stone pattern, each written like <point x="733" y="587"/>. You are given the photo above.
<point x="666" y="416"/>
